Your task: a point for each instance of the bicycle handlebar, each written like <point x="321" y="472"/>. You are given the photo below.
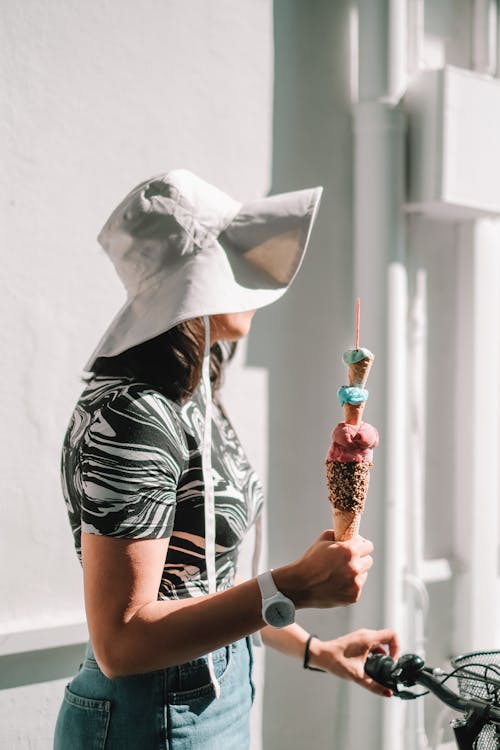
<point x="410" y="670"/>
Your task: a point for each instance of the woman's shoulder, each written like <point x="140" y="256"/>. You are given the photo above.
<point x="102" y="390"/>
<point x="128" y="402"/>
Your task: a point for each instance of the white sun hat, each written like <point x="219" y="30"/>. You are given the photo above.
<point x="184" y="249"/>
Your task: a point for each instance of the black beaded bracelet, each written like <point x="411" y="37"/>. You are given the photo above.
<point x="307" y="655"/>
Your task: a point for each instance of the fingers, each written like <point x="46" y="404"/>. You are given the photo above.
<point x="360" y="546"/>
<point x="358" y="565"/>
<point x="392" y="640"/>
<point x="377" y="641"/>
<point x="364" y="564"/>
<point x="361" y="678"/>
<point x="374" y="687"/>
<point x="340" y="568"/>
<point x="386" y="637"/>
<point x="359" y="550"/>
<point x="361" y="578"/>
<point x="361" y="565"/>
<point x="328" y="535"/>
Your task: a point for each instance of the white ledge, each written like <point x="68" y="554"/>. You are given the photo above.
<point x="434" y="571"/>
<point x="19" y="636"/>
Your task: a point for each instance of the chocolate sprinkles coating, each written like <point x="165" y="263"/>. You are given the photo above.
<point x="348" y="484"/>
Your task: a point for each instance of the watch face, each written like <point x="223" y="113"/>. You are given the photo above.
<point x="281" y="613"/>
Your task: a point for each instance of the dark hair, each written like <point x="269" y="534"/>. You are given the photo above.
<point x="171" y="362"/>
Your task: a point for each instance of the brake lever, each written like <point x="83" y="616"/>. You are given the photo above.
<point x="406" y="669"/>
<point x="405" y="695"/>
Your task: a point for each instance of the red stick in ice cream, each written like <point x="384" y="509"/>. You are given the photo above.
<point x="350" y="456"/>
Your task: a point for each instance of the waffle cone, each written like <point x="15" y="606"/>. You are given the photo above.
<point x="347" y="490"/>
<point x="345" y="524"/>
<point x="359" y="371"/>
<point x="353" y="413"/>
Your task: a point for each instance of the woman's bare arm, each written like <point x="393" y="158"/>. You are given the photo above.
<point x="290" y="640"/>
<point x="132" y="632"/>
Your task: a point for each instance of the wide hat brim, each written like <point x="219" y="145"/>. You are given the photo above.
<point x="248" y="265"/>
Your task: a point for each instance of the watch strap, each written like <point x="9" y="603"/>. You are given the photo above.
<point x="267" y="586"/>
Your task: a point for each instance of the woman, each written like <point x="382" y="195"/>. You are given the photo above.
<point x="160" y="494"/>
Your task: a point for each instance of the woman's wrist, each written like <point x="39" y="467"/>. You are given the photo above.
<point x="313" y="654"/>
<point x="288" y="581"/>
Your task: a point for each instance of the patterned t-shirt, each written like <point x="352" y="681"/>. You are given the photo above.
<point x="131" y="468"/>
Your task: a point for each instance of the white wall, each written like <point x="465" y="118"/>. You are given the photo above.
<point x="99" y="97"/>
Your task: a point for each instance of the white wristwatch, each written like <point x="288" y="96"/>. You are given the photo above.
<point x="277" y="609"/>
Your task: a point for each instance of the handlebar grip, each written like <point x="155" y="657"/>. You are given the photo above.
<point x="380" y="668"/>
<point x="410" y="670"/>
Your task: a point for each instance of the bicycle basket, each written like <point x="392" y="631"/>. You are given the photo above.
<point x="476" y="669"/>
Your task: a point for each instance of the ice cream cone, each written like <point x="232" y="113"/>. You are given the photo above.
<point x="348" y="487"/>
<point x="349" y="458"/>
<point x="353" y="413"/>
<point x="359" y="371"/>
<point x="345" y="524"/>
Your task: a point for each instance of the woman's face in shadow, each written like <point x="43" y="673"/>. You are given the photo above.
<point x="230" y="326"/>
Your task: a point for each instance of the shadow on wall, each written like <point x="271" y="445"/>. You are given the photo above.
<point x="44" y="665"/>
<point x="300" y="339"/>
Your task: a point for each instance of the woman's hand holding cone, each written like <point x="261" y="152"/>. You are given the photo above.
<point x="329" y="573"/>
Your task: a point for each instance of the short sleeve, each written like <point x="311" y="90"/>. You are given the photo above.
<point x="132" y="458"/>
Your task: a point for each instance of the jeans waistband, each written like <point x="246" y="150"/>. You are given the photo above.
<point x="222" y="654"/>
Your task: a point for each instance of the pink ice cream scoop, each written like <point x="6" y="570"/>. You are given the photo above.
<point x="352" y="442"/>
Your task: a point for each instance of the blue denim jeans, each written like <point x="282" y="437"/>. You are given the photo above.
<point x="171" y="709"/>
